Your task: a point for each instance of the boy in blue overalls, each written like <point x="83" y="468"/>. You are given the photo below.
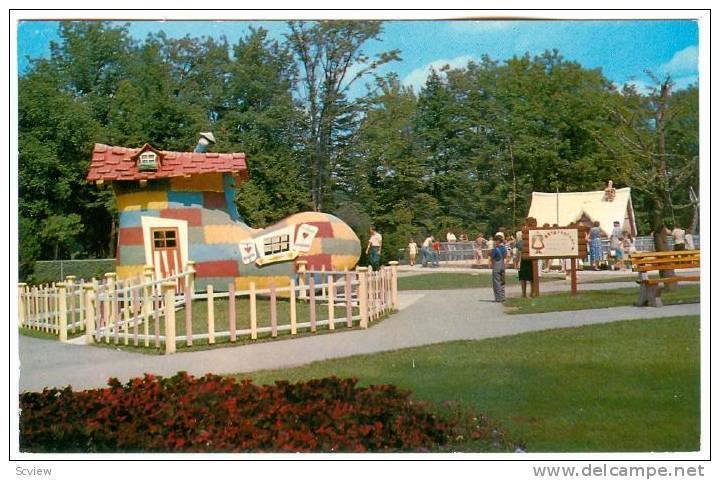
<point x="497" y="261"/>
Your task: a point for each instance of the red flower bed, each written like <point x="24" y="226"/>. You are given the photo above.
<point x="217" y="414"/>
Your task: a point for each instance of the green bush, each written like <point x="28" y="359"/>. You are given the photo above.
<point x="57" y="270"/>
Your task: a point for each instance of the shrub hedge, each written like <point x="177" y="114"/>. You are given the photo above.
<point x="216" y="414"/>
<point x="56" y="270"/>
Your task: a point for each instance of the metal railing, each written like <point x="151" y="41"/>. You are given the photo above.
<point x="469" y="252"/>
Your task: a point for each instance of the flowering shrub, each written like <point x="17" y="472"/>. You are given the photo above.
<point x="217" y="414"/>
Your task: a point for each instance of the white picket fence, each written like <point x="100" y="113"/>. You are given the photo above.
<point x="142" y="311"/>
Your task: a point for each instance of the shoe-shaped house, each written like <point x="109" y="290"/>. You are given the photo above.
<point x="175" y="207"/>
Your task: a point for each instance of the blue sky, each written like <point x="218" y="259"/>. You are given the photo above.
<point x="623" y="49"/>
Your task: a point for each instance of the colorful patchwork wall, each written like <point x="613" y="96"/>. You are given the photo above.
<point x="203" y="205"/>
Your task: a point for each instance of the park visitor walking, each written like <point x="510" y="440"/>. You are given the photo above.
<point x="678" y="235"/>
<point x="595" y="245"/>
<point x="451" y="239"/>
<point x="426" y="250"/>
<point x="525" y="273"/>
<point x="412" y="252"/>
<point x="616" y="246"/>
<point x="373" y="249"/>
<point x="689" y="241"/>
<point x="435" y="253"/>
<point x="497" y="261"/>
<point x="480" y="246"/>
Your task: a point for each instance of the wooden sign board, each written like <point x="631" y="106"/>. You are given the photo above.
<point x="546" y="243"/>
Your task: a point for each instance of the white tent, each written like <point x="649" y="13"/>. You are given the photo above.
<point x="587" y="207"/>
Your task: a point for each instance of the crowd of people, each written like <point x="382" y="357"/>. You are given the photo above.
<point x="502" y="251"/>
<point x="615" y="257"/>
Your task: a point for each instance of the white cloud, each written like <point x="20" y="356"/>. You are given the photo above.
<point x="684" y="82"/>
<point x="644" y="87"/>
<point x="683" y="62"/>
<point x="417" y="77"/>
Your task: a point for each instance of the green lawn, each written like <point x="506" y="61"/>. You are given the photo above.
<point x="618" y="297"/>
<point x="445" y="281"/>
<point x="625" y="386"/>
<point x="29" y="332"/>
<point x="618" y="278"/>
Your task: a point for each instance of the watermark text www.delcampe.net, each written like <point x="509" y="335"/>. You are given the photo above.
<point x="618" y="471"/>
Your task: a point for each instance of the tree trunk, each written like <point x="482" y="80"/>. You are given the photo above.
<point x="660" y="234"/>
<point x="113" y="238"/>
<point x="514" y="185"/>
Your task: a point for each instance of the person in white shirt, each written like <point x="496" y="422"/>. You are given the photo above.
<point x="373" y="248"/>
<point x="412" y="251"/>
<point x="451" y="239"/>
<point x="678" y="236"/>
<point x="689" y="241"/>
<point x="426" y="250"/>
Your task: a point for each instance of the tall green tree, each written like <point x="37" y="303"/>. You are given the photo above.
<point x="653" y="138"/>
<point x="331" y="59"/>
<point x="386" y="171"/>
<point x="260" y="118"/>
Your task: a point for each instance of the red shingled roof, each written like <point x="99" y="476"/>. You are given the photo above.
<point x="119" y="163"/>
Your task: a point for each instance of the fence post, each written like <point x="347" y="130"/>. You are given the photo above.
<point x="34" y="307"/>
<point x="273" y="311"/>
<point x="323" y="281"/>
<point x="313" y="313"/>
<point x="126" y="313"/>
<point x="188" y="314"/>
<point x="231" y="312"/>
<point x="147" y="302"/>
<point x="168" y="289"/>
<point x="21" y="304"/>
<point x="331" y="302"/>
<point x="211" y="314"/>
<point x="293" y="308"/>
<point x="110" y="304"/>
<point x="393" y="284"/>
<point x="301" y="269"/>
<point x="70" y="284"/>
<point x="253" y="313"/>
<point x="348" y="299"/>
<point x="89" y="313"/>
<point x="62" y="307"/>
<point x="97" y="318"/>
<point x="191" y="276"/>
<point x="363" y="295"/>
<point x="81" y="304"/>
<point x="135" y="314"/>
<point x="46" y="307"/>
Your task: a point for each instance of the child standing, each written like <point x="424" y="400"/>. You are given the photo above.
<point x="497" y="260"/>
<point x="412" y="252"/>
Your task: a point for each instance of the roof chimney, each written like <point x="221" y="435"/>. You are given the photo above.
<point x="205" y="139"/>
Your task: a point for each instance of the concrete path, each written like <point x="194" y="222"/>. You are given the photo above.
<point x="425" y="317"/>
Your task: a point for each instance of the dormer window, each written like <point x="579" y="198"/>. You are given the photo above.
<point x="148" y="162"/>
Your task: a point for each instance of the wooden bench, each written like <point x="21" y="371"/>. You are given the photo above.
<point x="646" y="262"/>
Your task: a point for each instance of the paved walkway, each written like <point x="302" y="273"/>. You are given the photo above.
<point x="425" y="317"/>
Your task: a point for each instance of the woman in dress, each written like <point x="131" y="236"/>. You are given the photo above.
<point x="525" y="272"/>
<point x="595" y="245"/>
<point x="412" y="251"/>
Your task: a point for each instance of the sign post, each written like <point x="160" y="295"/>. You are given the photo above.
<point x="548" y="243"/>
